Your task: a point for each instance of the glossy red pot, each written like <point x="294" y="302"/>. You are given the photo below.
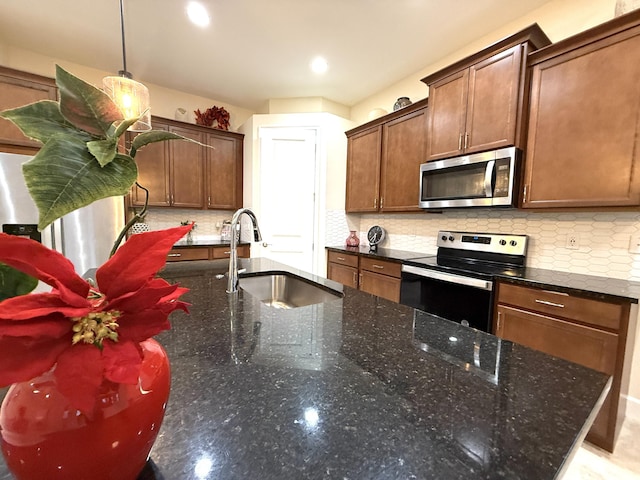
<point x="44" y="438"/>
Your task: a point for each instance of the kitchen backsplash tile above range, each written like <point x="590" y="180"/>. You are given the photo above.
<point x="602" y="238"/>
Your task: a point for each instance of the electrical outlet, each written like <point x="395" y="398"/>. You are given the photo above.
<point x="573" y="242"/>
<point x="634" y="244"/>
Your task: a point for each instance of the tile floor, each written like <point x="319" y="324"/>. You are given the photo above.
<point x="593" y="463"/>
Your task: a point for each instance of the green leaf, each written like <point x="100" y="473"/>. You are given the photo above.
<point x="85" y="106"/>
<point x="41" y="120"/>
<point x="153" y="136"/>
<point x="14" y="283"/>
<point x="65" y="176"/>
<point x="122" y="127"/>
<point x="104" y="150"/>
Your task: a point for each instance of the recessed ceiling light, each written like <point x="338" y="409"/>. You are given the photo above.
<point x="319" y="65"/>
<point x="198" y="14"/>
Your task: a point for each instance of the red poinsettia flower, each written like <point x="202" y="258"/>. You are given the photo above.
<point x="88" y="333"/>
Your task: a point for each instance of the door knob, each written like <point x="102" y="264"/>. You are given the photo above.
<point x="265" y="244"/>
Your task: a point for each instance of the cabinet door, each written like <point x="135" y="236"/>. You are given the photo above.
<point x="363" y="170"/>
<point x="577" y="343"/>
<point x="583" y="127"/>
<point x="187" y="169"/>
<point x="342" y="274"/>
<point x="492" y="105"/>
<point x="587" y="346"/>
<point x="447" y="116"/>
<point x="153" y="172"/>
<point x="380" y="285"/>
<point x="404" y="149"/>
<point x="224" y="172"/>
<point x="16" y="90"/>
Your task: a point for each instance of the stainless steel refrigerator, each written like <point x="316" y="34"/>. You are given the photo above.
<point x="84" y="236"/>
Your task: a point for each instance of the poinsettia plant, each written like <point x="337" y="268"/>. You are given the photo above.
<point x="86" y="332"/>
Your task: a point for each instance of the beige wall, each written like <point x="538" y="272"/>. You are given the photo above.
<point x="164" y="101"/>
<point x="559" y="19"/>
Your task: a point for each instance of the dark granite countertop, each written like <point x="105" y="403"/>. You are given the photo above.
<point x="357" y="387"/>
<point x="593" y="286"/>
<point x="382" y="253"/>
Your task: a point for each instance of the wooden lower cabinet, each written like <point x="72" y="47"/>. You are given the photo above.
<point x="186" y="253"/>
<point x="343" y="268"/>
<point x="581" y="330"/>
<point x="380" y="277"/>
<point x="371" y="275"/>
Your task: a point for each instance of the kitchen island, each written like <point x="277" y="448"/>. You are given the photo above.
<point x="356" y="387"/>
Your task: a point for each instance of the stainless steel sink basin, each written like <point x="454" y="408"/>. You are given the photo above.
<point x="283" y="290"/>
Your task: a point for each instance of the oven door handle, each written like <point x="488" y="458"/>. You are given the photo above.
<point x="449" y="277"/>
<point x="488" y="179"/>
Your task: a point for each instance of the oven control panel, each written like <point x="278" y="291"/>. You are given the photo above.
<point x="504" y="243"/>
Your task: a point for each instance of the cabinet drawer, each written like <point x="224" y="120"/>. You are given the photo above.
<point x="380" y="266"/>
<point x="244" y="251"/>
<point x="580" y="344"/>
<point x="343" y="259"/>
<point x="188" y="253"/>
<point x="560" y="304"/>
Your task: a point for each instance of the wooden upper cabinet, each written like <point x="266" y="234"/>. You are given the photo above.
<point x="491" y="111"/>
<point x="477" y="103"/>
<point x="583" y="125"/>
<point x="184" y="174"/>
<point x="403" y="150"/>
<point x="447" y="115"/>
<point x="153" y="173"/>
<point x="16" y="90"/>
<point x="363" y="170"/>
<point x="186" y="169"/>
<point x="224" y="171"/>
<point x="383" y="161"/>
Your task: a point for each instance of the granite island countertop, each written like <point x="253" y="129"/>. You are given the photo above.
<point x="356" y="387"/>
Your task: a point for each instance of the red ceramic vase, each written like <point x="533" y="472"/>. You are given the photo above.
<point x="44" y="438"/>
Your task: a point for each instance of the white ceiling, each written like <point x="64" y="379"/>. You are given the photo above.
<point x="255" y="50"/>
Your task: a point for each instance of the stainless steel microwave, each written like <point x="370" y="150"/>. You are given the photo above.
<point x="488" y="179"/>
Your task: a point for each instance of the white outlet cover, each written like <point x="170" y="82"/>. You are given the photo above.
<point x="634" y="244"/>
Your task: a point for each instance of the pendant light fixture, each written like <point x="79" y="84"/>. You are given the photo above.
<point x="132" y="97"/>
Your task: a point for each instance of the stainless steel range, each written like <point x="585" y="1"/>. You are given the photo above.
<point x="457" y="283"/>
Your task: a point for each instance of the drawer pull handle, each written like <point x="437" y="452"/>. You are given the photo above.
<point x="378" y="266"/>
<point x="342" y="259"/>
<point x="228" y="252"/>
<point x="551" y="304"/>
<point x="175" y="255"/>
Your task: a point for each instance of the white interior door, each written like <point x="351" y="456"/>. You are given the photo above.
<point x="288" y="160"/>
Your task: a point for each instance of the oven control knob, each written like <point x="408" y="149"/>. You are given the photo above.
<point x="451" y="238"/>
<point x="444" y="238"/>
<point x="513" y="243"/>
<point x="503" y="242"/>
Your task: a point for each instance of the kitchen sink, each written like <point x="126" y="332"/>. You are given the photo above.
<point x="284" y="290"/>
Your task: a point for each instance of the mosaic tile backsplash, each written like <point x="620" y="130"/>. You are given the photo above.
<point x="602" y="248"/>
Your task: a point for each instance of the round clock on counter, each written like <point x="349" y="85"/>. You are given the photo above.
<point x="375" y="235"/>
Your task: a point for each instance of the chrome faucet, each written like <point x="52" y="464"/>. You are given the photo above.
<point x="232" y="285"/>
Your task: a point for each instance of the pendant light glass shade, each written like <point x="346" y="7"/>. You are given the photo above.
<point x="133" y="99"/>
